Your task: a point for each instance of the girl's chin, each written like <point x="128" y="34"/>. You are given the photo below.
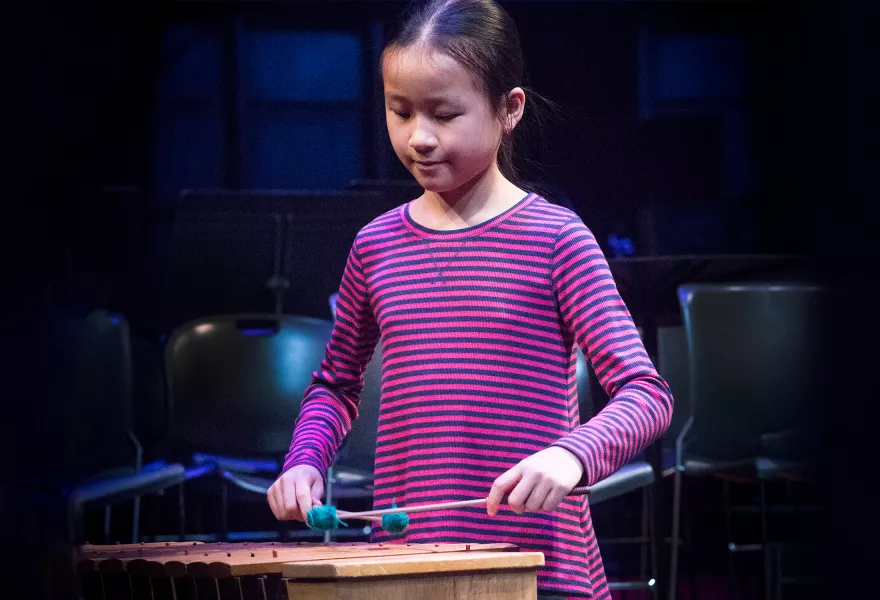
<point x="432" y="183"/>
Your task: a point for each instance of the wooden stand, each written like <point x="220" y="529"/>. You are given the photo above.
<point x="469" y="575"/>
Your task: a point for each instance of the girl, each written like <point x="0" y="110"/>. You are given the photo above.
<point x="478" y="291"/>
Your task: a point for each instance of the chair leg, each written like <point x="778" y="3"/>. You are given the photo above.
<point x="765" y="543"/>
<point x="643" y="550"/>
<point x="693" y="558"/>
<point x="199" y="518"/>
<point x="652" y="536"/>
<point x="181" y="510"/>
<point x="153" y="528"/>
<point x="676" y="526"/>
<point x="328" y="497"/>
<point x="107" y="513"/>
<point x="778" y="571"/>
<point x="283" y="530"/>
<point x="75" y="525"/>
<point x="136" y="520"/>
<point x="224" y="511"/>
<point x="728" y="533"/>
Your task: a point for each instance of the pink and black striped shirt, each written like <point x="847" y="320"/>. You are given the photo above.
<point x="478" y="328"/>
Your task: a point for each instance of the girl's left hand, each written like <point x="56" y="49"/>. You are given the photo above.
<point x="539" y="482"/>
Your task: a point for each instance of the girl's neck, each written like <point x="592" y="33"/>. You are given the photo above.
<point x="481" y="199"/>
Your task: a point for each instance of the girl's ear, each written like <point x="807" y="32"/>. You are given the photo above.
<point x="515" y="104"/>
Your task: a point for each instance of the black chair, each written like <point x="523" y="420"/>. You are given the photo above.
<point x="94" y="361"/>
<point x="790" y="460"/>
<point x="235" y="381"/>
<point x="634" y="476"/>
<point x="235" y="385"/>
<point x="752" y="352"/>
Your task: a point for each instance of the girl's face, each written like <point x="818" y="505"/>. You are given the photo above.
<point x="443" y="129"/>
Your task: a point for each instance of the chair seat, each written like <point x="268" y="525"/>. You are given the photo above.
<point x="250" y="483"/>
<point x="697" y="466"/>
<point x="771" y="468"/>
<point x="700" y="466"/>
<point x="350" y="476"/>
<point x="238" y="465"/>
<point x="667" y="459"/>
<point x="792" y="445"/>
<point x="121" y="489"/>
<point x="629" y="478"/>
<point x="261" y="485"/>
<point x="788" y="454"/>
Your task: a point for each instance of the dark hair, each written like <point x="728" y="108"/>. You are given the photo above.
<point x="480" y="36"/>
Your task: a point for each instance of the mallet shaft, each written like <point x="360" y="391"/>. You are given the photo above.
<point x="370" y="515"/>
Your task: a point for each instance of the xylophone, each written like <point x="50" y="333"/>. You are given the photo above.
<point x="307" y="571"/>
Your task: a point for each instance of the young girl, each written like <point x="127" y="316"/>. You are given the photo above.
<point x="479" y="291"/>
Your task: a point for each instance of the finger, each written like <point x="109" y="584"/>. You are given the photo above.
<point x="303" y="500"/>
<point x="273" y="504"/>
<point x="317" y="492"/>
<point x="537" y="496"/>
<point x="517" y="498"/>
<point x="505" y="482"/>
<point x="553" y="499"/>
<point x="288" y="498"/>
<point x="277" y="499"/>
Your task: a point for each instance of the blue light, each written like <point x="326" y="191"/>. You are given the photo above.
<point x="257" y="331"/>
<point x="621" y="246"/>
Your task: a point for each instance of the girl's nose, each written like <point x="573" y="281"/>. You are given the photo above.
<point x="422" y="139"/>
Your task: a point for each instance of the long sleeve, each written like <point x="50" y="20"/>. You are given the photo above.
<point x="330" y="403"/>
<point x="640" y="405"/>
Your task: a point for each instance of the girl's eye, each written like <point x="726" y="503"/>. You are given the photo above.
<point x="402" y="115"/>
<point x="446" y="117"/>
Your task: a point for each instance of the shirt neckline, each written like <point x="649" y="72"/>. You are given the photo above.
<point x="477" y="229"/>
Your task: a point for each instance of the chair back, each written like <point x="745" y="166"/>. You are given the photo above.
<point x="754" y="353"/>
<point x="235" y="382"/>
<point x="673" y="365"/>
<point x="584" y="383"/>
<point x="95" y="365"/>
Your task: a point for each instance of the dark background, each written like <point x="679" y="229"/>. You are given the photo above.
<point x="688" y="127"/>
<point x="685" y="127"/>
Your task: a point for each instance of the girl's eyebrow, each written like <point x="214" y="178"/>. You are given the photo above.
<point x="397" y="97"/>
<point x="434" y="100"/>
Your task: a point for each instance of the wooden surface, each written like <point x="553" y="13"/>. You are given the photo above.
<point x="413" y="564"/>
<point x="469" y="575"/>
<point x="502" y="585"/>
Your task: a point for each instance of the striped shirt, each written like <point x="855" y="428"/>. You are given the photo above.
<point x="478" y="328"/>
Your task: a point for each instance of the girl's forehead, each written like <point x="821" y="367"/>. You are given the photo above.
<point x="425" y="72"/>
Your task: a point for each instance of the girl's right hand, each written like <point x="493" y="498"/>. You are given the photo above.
<point x="295" y="493"/>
